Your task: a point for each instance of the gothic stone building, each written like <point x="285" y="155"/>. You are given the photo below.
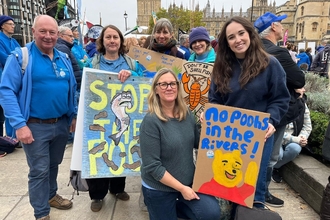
<point x="308" y="20"/>
<point x="24" y="11"/>
<point x="145" y="8"/>
<point x="215" y="20"/>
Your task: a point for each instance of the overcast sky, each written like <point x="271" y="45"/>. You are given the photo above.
<point x="112" y="12"/>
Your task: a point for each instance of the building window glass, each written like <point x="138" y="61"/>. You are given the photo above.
<point x="314" y="26"/>
<point x="302" y="10"/>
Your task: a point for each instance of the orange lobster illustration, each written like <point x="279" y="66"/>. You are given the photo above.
<point x="195" y="94"/>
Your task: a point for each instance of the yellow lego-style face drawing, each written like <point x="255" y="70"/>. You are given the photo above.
<point x="227" y="168"/>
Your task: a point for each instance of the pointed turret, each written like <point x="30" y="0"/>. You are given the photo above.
<point x="197" y="7"/>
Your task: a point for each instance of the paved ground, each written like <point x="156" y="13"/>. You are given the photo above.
<point x="14" y="200"/>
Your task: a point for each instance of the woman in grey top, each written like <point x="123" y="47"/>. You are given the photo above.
<point x="168" y="135"/>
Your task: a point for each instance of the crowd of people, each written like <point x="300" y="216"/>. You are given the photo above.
<point x="308" y="61"/>
<point x="250" y="72"/>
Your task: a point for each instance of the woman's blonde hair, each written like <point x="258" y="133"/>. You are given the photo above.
<point x="154" y="104"/>
<point x="131" y="41"/>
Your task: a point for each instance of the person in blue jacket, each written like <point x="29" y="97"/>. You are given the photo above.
<point x="78" y="51"/>
<point x="7" y="44"/>
<point x="40" y="105"/>
<point x="91" y="47"/>
<point x="303" y="58"/>
<point x="200" y="44"/>
<point x="184" y="46"/>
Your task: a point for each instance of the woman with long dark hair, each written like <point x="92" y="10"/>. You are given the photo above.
<point x="245" y="76"/>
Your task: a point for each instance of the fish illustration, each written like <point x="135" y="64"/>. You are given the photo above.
<point x="119" y="103"/>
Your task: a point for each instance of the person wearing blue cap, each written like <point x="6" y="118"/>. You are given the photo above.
<point x="270" y="30"/>
<point x="7" y="44"/>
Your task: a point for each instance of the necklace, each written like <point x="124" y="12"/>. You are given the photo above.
<point x="240" y="65"/>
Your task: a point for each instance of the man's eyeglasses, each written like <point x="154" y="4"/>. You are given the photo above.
<point x="11" y="24"/>
<point x="71" y="36"/>
<point x="164" y="85"/>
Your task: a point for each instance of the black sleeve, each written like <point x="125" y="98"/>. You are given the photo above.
<point x="75" y="66"/>
<point x="315" y="62"/>
<point x="63" y="48"/>
<point x="295" y="78"/>
<point x="76" y="69"/>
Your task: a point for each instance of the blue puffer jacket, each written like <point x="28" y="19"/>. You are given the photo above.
<point x="303" y="58"/>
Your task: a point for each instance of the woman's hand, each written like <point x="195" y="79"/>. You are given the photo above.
<point x="270" y="131"/>
<point x="188" y="193"/>
<point x="303" y="141"/>
<point x="201" y="117"/>
<point x="123" y="75"/>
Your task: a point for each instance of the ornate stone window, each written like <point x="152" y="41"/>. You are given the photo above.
<point x="314" y="26"/>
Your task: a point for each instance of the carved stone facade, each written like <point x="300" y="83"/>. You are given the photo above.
<point x="308" y="20"/>
<point x="145" y="8"/>
<point x="215" y="20"/>
<point x="24" y="11"/>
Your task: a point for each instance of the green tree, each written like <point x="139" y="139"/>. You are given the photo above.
<point x="180" y="18"/>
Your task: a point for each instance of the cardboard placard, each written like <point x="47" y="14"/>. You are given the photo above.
<point x="152" y="61"/>
<point x="112" y="114"/>
<point x="230" y="152"/>
<point x="195" y="83"/>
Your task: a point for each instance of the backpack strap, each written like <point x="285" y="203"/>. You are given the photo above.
<point x="25" y="58"/>
<point x="131" y="62"/>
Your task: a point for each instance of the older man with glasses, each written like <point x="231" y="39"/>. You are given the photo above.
<point x="41" y="106"/>
<point x="270" y="30"/>
<point x="65" y="44"/>
<point x="7" y="44"/>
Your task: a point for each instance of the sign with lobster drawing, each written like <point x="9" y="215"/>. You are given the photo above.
<point x="196" y="81"/>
